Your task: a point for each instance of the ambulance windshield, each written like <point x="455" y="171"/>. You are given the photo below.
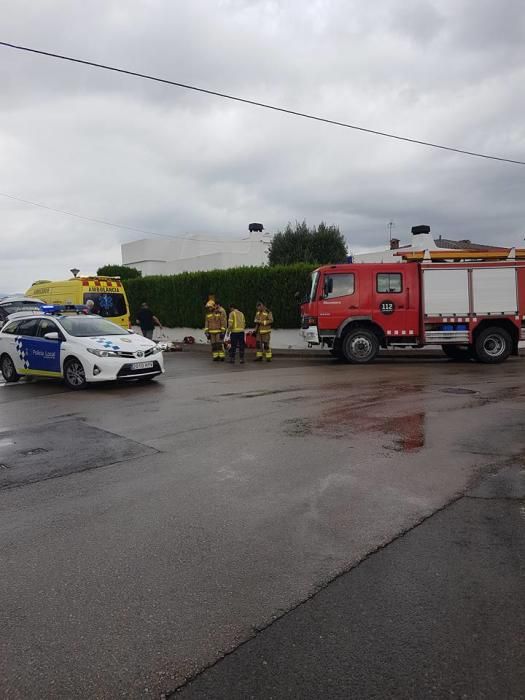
<point x="107" y="305"/>
<point x="89" y="326"/>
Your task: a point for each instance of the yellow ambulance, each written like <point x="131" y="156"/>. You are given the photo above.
<point x="107" y="293"/>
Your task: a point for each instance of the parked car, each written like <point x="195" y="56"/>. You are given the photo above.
<point x="16" y="303"/>
<point x="77" y="348"/>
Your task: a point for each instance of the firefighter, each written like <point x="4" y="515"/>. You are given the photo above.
<point x="236" y="327"/>
<point x="215" y="330"/>
<point x="263" y="330"/>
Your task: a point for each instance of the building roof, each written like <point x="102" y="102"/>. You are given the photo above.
<point x="465" y="244"/>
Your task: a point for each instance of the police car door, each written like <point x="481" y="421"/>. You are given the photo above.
<point x="23" y="343"/>
<point x="36" y="354"/>
<point x="46" y="356"/>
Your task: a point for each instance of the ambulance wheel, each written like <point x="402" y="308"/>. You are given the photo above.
<point x="74" y="374"/>
<point x="493" y="345"/>
<point x="360" y="346"/>
<point x="459" y="353"/>
<point x="9" y="370"/>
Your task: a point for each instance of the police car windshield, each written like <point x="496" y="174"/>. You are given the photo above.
<point x="89" y="326"/>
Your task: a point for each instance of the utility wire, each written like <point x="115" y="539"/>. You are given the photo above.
<point x="111" y="223"/>
<point x="264" y="105"/>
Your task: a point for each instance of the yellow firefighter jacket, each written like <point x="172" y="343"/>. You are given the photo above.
<point x="214" y="323"/>
<point x="263" y="321"/>
<point x="236" y="321"/>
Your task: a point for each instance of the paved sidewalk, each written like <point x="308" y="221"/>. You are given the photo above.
<point x="438" y="613"/>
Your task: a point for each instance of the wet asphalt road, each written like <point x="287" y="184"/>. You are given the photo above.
<point x="147" y="530"/>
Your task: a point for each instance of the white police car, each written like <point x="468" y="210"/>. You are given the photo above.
<point x="77" y="348"/>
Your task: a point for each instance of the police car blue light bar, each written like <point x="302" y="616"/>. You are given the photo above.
<point x="62" y="308"/>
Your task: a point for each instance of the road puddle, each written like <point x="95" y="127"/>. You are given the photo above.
<point x="457" y="390"/>
<point x="406" y="432"/>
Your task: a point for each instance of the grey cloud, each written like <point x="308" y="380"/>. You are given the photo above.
<point x="177" y="162"/>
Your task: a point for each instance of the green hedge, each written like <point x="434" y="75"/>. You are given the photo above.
<point x="178" y="300"/>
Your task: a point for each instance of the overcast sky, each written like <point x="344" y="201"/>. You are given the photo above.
<point x="160" y="158"/>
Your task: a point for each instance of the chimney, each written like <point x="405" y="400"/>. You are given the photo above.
<point x="418" y="230"/>
<point x="422" y="238"/>
<point x="394" y="243"/>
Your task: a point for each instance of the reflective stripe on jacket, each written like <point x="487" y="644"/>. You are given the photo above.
<point x="236" y="322"/>
<point x="263" y="321"/>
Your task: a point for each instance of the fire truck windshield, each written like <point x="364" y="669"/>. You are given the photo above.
<point x="315" y="277"/>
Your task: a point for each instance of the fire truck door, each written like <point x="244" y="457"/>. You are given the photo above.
<point x="391" y="303"/>
<point x="338" y="299"/>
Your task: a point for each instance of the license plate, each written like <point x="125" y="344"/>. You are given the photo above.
<point x="142" y="365"/>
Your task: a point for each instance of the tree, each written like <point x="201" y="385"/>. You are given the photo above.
<point x="122" y="271"/>
<point x="320" y="245"/>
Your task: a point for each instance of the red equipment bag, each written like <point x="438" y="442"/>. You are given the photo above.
<point x="250" y="340"/>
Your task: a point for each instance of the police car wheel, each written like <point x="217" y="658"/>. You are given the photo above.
<point x="8" y="370"/>
<point x="74" y="374"/>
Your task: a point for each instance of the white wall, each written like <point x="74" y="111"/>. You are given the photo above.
<point x="170" y="257"/>
<point x="282" y="338"/>
<point x="422" y="241"/>
<point x="377" y="256"/>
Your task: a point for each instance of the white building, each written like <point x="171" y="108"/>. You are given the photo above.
<point x="421" y="239"/>
<point x="171" y="256"/>
<point x="418" y="241"/>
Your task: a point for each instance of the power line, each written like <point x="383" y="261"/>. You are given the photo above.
<point x="264" y="105"/>
<point x="110" y="223"/>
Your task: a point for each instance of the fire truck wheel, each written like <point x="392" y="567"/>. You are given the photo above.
<point x="459" y="353"/>
<point x="493" y="345"/>
<point x="360" y="346"/>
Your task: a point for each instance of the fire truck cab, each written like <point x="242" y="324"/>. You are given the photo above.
<point x="474" y="307"/>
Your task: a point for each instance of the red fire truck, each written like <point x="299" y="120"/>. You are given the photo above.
<point x="471" y="303"/>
